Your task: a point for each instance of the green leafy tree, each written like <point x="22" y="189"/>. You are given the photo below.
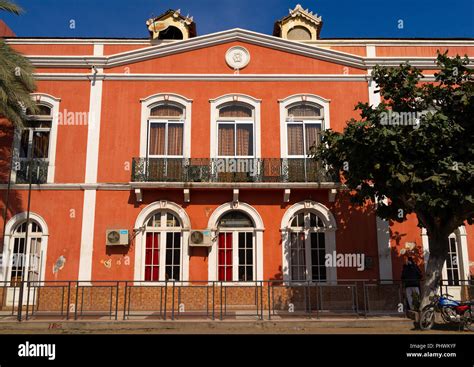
<point x="16" y="78"/>
<point x="413" y="153"/>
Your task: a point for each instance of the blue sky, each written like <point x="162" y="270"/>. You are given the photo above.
<point x="342" y="18"/>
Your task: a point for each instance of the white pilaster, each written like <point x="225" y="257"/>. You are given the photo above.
<point x="92" y="159"/>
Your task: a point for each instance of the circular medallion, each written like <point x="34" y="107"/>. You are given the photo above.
<point x="237" y="57"/>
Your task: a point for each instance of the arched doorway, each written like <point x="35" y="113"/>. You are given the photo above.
<point x="24" y="255"/>
<point x="455" y="273"/>
<point x="236" y="247"/>
<point x="236" y="253"/>
<point x="161" y="252"/>
<point x="308" y="234"/>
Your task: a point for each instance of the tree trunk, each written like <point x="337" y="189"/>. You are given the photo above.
<point x="438" y="255"/>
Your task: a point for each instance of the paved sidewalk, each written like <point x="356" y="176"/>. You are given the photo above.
<point x="373" y="325"/>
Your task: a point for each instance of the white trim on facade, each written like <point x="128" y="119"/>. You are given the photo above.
<point x="320" y="42"/>
<point x="153" y="100"/>
<point x="92" y="161"/>
<point x="312" y="50"/>
<point x="258" y="228"/>
<point x="7" y="243"/>
<point x="288" y="101"/>
<point x="254" y="103"/>
<point x="330" y="234"/>
<point x="139" y="266"/>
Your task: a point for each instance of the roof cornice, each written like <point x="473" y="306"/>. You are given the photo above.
<point x="233" y="35"/>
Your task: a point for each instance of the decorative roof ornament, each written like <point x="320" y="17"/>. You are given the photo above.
<point x="307" y="14"/>
<point x="171" y="25"/>
<point x="299" y="25"/>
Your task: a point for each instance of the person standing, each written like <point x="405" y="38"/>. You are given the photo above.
<point x="411" y="276"/>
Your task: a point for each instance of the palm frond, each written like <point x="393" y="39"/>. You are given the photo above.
<point x="16" y="84"/>
<point x="10" y="7"/>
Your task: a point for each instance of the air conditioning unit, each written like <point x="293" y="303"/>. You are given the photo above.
<point x="201" y="238"/>
<point x="117" y="237"/>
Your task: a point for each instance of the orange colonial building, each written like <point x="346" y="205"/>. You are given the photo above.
<point x="184" y="157"/>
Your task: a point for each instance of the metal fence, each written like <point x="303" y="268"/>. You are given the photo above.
<point x="214" y="300"/>
<point x="230" y="170"/>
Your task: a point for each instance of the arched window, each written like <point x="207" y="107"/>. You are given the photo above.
<point x="299" y="33"/>
<point x="34" y="144"/>
<point x="236" y="130"/>
<point x="304" y="124"/>
<point x="163" y="247"/>
<point x="25" y="261"/>
<point x="451" y="269"/>
<point x="308" y="233"/>
<point x="236" y="247"/>
<point x="307" y="247"/>
<point x="166" y="130"/>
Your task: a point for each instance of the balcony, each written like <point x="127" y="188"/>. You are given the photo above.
<point x="216" y="170"/>
<point x="39" y="173"/>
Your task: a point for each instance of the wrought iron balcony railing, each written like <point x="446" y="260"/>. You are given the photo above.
<point x="39" y="173"/>
<point x="229" y="170"/>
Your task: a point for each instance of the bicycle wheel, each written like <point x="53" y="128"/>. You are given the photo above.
<point x="427" y="318"/>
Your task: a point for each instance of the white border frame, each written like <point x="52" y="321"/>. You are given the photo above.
<point x="295" y="98"/>
<point x="330" y="235"/>
<point x="53" y="103"/>
<point x="149" y="102"/>
<point x="139" y="266"/>
<point x="258" y="228"/>
<point x="235" y="97"/>
<point x="10" y="227"/>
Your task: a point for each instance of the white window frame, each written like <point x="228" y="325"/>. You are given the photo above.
<point x="167" y="122"/>
<point x="220" y="102"/>
<point x="163" y="230"/>
<point x="235" y="251"/>
<point x="462" y="251"/>
<point x="330" y="229"/>
<point x="152" y="101"/>
<point x="307" y="233"/>
<point x="258" y="229"/>
<point x="8" y="243"/>
<point x="140" y="241"/>
<point x="52" y="103"/>
<point x="446" y="271"/>
<point x="302" y="123"/>
<point x="288" y="102"/>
